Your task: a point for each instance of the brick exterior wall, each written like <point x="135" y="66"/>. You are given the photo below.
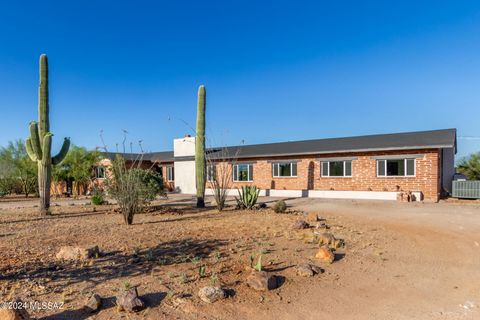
<point x="364" y="176"/>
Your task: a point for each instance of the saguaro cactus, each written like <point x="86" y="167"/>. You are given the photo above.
<point x="200" y="164"/>
<point x="39" y="144"/>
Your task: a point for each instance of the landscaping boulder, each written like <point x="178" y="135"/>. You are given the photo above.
<point x="77" y="253"/>
<point x="261" y="281"/>
<point x="325" y="254"/>
<point x="300" y="224"/>
<point x="307" y="270"/>
<point x="211" y="294"/>
<point x="129" y="301"/>
<point x="14" y="314"/>
<point x="94" y="303"/>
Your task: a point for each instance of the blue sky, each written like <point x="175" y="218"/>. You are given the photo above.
<point x="274" y="70"/>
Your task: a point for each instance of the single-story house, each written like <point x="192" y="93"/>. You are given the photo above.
<point x="363" y="167"/>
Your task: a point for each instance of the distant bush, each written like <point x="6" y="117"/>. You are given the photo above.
<point x="280" y="206"/>
<point x="152" y="183"/>
<point x="98" y="197"/>
<point x="4" y="187"/>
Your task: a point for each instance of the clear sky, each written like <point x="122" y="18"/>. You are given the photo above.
<point x="274" y="70"/>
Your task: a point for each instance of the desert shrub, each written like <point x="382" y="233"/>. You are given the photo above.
<point x="4" y="187"/>
<point x="152" y="183"/>
<point x="98" y="196"/>
<point x="132" y="188"/>
<point x="280" y="206"/>
<point x="247" y="197"/>
<point x="219" y="168"/>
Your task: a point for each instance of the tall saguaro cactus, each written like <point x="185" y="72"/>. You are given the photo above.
<point x="39" y="144"/>
<point x="200" y="163"/>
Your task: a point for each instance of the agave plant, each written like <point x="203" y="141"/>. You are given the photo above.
<point x="247" y="197"/>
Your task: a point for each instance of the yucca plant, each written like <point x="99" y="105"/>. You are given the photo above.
<point x="247" y="197"/>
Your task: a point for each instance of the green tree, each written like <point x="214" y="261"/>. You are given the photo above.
<point x="17" y="171"/>
<point x="470" y="166"/>
<point x="77" y="166"/>
<point x="132" y="187"/>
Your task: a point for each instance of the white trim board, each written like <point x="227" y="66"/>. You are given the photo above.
<point x="367" y="195"/>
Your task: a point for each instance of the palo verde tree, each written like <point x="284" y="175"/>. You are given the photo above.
<point x="17" y="172"/>
<point x="77" y="167"/>
<point x="200" y="162"/>
<point x="39" y="144"/>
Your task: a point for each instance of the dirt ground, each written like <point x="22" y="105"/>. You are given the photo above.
<point x="400" y="260"/>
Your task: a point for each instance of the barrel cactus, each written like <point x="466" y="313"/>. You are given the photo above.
<point x="200" y="162"/>
<point x="39" y="144"/>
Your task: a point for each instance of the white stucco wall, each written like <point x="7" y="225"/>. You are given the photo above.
<point x="185" y="177"/>
<point x="368" y="195"/>
<point x="286" y="193"/>
<point x="184" y="147"/>
<point x="232" y="192"/>
<point x="184" y="170"/>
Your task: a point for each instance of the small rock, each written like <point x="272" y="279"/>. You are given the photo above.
<point x="211" y="294"/>
<point x="304" y="270"/>
<point x="261" y="281"/>
<point x="308" y="270"/>
<point x="14" y="314"/>
<point x="94" y="303"/>
<point x="129" y="301"/>
<point x="325" y="254"/>
<point x="77" y="253"/>
<point x="300" y="224"/>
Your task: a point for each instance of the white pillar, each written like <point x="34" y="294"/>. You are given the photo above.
<point x="184" y="165"/>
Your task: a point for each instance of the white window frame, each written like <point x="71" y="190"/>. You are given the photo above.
<point x="170" y="173"/>
<point x="405" y="175"/>
<point x="322" y="163"/>
<point x="97" y="176"/>
<point x="278" y="169"/>
<point x="209" y="178"/>
<point x="249" y="171"/>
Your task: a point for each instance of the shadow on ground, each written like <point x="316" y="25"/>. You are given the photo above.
<point x="115" y="264"/>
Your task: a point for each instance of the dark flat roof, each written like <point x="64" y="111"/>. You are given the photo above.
<point x="434" y="139"/>
<point x="164" y="156"/>
<point x="394" y="141"/>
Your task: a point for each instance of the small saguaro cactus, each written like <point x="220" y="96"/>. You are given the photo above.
<point x="39" y="144"/>
<point x="200" y="163"/>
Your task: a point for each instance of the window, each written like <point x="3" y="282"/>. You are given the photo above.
<point x="243" y="172"/>
<point x="100" y="172"/>
<point x="396" y="168"/>
<point x="336" y="168"/>
<point x="211" y="172"/>
<point x="170" y="173"/>
<point x="284" y="169"/>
